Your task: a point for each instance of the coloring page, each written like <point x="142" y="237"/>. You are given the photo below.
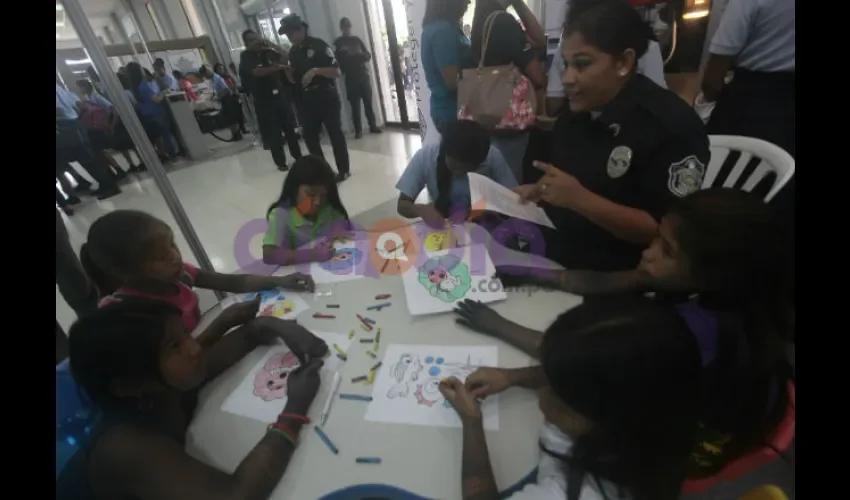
<point x="281" y="304"/>
<point x="407" y="385"/>
<point x="443" y="278"/>
<point x="348" y="262"/>
<point x="262" y="394"/>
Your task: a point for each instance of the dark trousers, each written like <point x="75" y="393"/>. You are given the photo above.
<point x="322" y="107"/>
<point x="275" y="117"/>
<point x="74" y="285"/>
<point x="72" y="145"/>
<point x="358" y="89"/>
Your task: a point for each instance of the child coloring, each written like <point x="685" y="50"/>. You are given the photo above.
<point x="306" y="216"/>
<point x="133" y="254"/>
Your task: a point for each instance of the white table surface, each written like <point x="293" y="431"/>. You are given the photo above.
<point x="419" y="459"/>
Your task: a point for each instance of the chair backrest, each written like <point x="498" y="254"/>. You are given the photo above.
<point x="766" y="492"/>
<point x="773" y="159"/>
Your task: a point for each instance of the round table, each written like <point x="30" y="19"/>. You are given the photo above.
<point x="416" y="460"/>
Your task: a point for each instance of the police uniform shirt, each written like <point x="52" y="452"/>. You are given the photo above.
<point x="642" y="150"/>
<point x="759" y="34"/>
<point x="264" y="86"/>
<point x="312" y="53"/>
<point x="350" y="63"/>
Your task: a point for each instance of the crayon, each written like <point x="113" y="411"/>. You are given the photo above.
<point x="370" y="320"/>
<point x="339" y="350"/>
<point x="370" y="353"/>
<point x="365" y="341"/>
<point x="351" y="334"/>
<point x="371" y="378"/>
<point x="376" y="366"/>
<point x="361" y="378"/>
<point x="324" y="437"/>
<point x="366" y="328"/>
<point x="332" y="306"/>
<point x="340" y="356"/>
<point x="383" y="296"/>
<point x="378" y="307"/>
<point x="323" y="316"/>
<point x="355" y="397"/>
<point x="367" y="460"/>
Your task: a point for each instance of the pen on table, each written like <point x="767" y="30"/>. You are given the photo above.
<point x="327" y="408"/>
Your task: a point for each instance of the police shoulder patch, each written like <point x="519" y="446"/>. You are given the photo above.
<point x="686" y="176"/>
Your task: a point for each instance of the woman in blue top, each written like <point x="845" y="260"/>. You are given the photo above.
<point x="151" y="105"/>
<point x="445" y="50"/>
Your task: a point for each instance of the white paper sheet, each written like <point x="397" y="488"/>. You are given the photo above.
<point x="262" y="394"/>
<point x="442" y="278"/>
<point x="282" y="304"/>
<point x="407" y="385"/>
<point x="487" y="194"/>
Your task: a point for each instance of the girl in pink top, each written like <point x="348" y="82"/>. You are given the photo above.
<point x="132" y="254"/>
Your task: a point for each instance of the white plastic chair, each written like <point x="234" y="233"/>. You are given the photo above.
<point x="773" y="159"/>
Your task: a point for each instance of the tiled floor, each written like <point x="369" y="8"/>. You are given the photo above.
<point x="221" y="195"/>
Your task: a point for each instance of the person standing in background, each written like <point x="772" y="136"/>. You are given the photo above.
<point x="265" y="76"/>
<point x="353" y="58"/>
<point x="314" y="66"/>
<point x="445" y="51"/>
<point x="163" y="79"/>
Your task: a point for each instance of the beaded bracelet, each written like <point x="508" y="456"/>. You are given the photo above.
<point x="282" y="433"/>
<point x="294" y="416"/>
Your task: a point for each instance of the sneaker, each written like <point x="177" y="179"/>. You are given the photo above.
<point x="283" y="168"/>
<point x="340" y="177"/>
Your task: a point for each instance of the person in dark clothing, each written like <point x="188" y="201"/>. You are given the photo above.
<point x="353" y="58"/>
<point x="74" y="284"/>
<point x="266" y="77"/>
<point x="315" y="68"/>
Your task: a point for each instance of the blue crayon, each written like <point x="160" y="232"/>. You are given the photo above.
<point x="370" y="320"/>
<point x="324" y="437"/>
<point x="355" y="397"/>
<point x="379" y="306"/>
<point x="368" y="460"/>
<point x="340" y="356"/>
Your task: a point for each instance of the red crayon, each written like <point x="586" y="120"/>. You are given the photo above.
<point x="323" y="316"/>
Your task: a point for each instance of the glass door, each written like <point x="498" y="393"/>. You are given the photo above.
<point x="388" y="23"/>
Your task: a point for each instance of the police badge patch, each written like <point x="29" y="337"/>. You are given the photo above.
<point x="619" y="161"/>
<point x="686" y="176"/>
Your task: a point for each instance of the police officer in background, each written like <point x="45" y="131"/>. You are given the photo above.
<point x="622" y="151"/>
<point x="353" y="58"/>
<point x="263" y="71"/>
<point x="315" y="68"/>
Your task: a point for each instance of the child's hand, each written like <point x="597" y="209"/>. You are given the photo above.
<point x="298" y="282"/>
<point x="323" y="250"/>
<point x="479" y="317"/>
<point x="461" y="399"/>
<point x="487" y="381"/>
<point x="301" y="342"/>
<point x="241" y="313"/>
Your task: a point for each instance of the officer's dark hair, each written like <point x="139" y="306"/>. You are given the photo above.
<point x="613" y="26"/>
<point x="344" y="22"/>
<point x="618" y="353"/>
<point x="735" y="254"/>
<point x="204" y="71"/>
<point x="136" y="75"/>
<point x="178" y="74"/>
<point x="121" y="340"/>
<point x="465" y="141"/>
<point x="158" y="63"/>
<point x="441" y="10"/>
<point x="310" y="170"/>
<point x="116" y="243"/>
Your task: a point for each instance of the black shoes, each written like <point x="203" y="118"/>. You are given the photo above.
<point x="103" y="193"/>
<point x="358" y="134"/>
<point x="283" y="168"/>
<point x="341" y="177"/>
<point x="375" y="130"/>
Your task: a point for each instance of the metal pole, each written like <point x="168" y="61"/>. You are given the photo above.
<point x="132" y="13"/>
<point x="144" y="147"/>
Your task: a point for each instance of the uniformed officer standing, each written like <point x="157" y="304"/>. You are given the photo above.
<point x="315" y="68"/>
<point x="263" y="72"/>
<point x="624" y="149"/>
<point x="353" y="61"/>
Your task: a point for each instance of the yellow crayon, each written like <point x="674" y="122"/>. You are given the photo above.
<point x="371" y="377"/>
<point x="372" y="354"/>
<point x="351" y="334"/>
<point x="339" y="350"/>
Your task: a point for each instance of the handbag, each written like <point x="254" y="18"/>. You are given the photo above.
<point x="497" y="97"/>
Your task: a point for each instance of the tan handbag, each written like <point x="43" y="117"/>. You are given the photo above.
<point x="497" y="97"/>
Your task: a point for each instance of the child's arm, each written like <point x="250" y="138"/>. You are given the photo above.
<point x="282" y="256"/>
<point x="233" y="316"/>
<point x="577" y="282"/>
<point x="479" y="317"/>
<point x="244" y="283"/>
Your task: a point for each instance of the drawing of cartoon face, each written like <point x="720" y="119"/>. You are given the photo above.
<point x="343" y="260"/>
<point x="446" y="277"/>
<point x="270" y="381"/>
<point x="434" y="241"/>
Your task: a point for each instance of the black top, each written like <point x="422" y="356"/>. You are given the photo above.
<point x="352" y="63"/>
<point x="508" y="44"/>
<point x="644" y="149"/>
<point x="261" y="87"/>
<point x="312" y="53"/>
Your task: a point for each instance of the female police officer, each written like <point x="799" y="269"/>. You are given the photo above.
<point x="621" y="152"/>
<point x="315" y="68"/>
